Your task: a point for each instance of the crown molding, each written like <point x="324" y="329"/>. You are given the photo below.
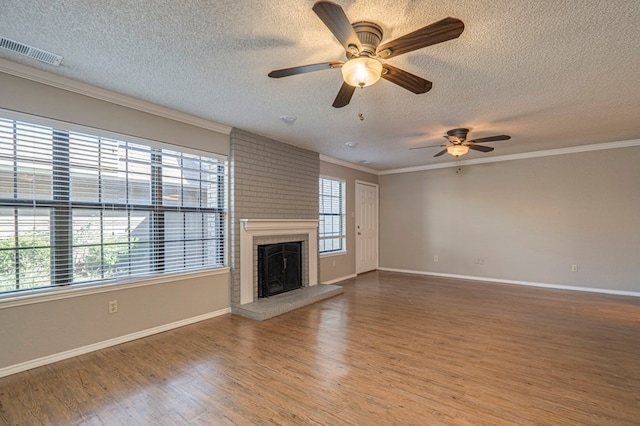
<point x="343" y="163"/>
<point x="522" y="156"/>
<point x="85" y="89"/>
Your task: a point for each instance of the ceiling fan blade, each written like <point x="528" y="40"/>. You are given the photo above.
<point x="444" y="151"/>
<point x="344" y="96"/>
<point x="491" y="139"/>
<point x="480" y="148"/>
<point x="286" y="72"/>
<point x="406" y="80"/>
<point x="427" y="146"/>
<point x="444" y="30"/>
<point x="336" y="20"/>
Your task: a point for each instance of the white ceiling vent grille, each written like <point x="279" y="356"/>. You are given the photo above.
<point x="30" y="51"/>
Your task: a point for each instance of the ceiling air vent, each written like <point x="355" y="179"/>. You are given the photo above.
<point x="32" y="52"/>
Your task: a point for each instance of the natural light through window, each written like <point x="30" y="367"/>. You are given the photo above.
<point x="77" y="208"/>
<point x="332" y="229"/>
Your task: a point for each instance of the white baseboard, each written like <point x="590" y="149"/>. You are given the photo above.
<point x="49" y="359"/>
<point x="516" y="282"/>
<point x="337" y="280"/>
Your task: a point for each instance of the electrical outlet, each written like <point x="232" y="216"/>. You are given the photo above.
<point x="574" y="268"/>
<point x="113" y="306"/>
<point x="435" y="258"/>
<point x="481" y="261"/>
<point x="333" y="263"/>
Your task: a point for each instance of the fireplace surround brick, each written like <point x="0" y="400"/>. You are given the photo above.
<point x="268" y="180"/>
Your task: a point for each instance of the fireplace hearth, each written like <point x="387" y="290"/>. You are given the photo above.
<point x="255" y="232"/>
<point x="279" y="268"/>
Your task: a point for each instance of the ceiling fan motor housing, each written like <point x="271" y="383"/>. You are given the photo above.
<point x="461" y="133"/>
<point x="370" y="35"/>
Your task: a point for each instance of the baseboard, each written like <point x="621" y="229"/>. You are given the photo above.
<point x="516" y="282"/>
<point x="49" y="359"/>
<point x="337" y="280"/>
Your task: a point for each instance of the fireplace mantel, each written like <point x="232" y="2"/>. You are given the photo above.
<point x="251" y="228"/>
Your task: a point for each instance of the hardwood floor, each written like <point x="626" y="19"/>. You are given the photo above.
<point x="393" y="349"/>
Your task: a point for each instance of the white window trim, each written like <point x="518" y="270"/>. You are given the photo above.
<point x="334" y="253"/>
<point x="344" y="217"/>
<point x="47" y="294"/>
<point x="44" y="294"/>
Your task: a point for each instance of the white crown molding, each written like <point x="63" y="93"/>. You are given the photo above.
<point x="70" y="85"/>
<point x="343" y="163"/>
<point x="50" y="359"/>
<point x="45" y="77"/>
<point x="522" y="156"/>
<point x="515" y="282"/>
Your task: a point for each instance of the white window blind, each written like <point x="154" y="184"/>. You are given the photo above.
<point x="332" y="226"/>
<point x="78" y="208"/>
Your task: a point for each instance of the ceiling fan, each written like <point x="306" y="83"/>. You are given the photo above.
<point x="361" y="41"/>
<point x="458" y="144"/>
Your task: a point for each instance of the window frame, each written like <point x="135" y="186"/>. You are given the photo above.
<point x="57" y="254"/>
<point x="343" y="217"/>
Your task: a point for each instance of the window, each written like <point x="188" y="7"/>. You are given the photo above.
<point x="77" y="208"/>
<point x="332" y="228"/>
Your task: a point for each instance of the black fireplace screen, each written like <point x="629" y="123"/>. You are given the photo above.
<point x="279" y="268"/>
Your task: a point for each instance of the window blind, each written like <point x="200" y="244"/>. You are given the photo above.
<point x="77" y="208"/>
<point x="332" y="228"/>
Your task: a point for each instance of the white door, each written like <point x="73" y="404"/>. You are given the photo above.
<point x="366" y="227"/>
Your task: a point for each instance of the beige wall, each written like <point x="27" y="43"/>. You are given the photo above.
<point x="47" y="328"/>
<point x="530" y="220"/>
<point x="37" y="330"/>
<point x="25" y="96"/>
<point x="345" y="264"/>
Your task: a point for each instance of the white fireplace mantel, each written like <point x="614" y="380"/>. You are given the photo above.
<point x="251" y="228"/>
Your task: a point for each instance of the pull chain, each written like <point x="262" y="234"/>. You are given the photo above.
<point x="360" y="114"/>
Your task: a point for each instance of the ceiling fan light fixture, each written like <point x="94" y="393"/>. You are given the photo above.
<point x="457" y="150"/>
<point x="361" y="72"/>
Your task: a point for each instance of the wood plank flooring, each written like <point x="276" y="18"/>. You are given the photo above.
<point x="393" y="349"/>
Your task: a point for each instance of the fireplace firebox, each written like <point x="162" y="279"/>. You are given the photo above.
<point x="279" y="268"/>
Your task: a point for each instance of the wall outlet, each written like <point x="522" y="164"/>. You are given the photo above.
<point x="333" y="263"/>
<point x="113" y="306"/>
<point x="478" y="260"/>
<point x="574" y="268"/>
<point x="435" y="258"/>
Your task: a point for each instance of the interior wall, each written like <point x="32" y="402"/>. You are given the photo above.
<point x="334" y="267"/>
<point x="39" y="330"/>
<point x="525" y="220"/>
<point x="30" y="97"/>
<point x="35" y="331"/>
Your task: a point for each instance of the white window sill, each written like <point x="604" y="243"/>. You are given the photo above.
<point x="333" y="253"/>
<point x="40" y="295"/>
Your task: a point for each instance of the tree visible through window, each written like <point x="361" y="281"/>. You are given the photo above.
<point x="332" y="229"/>
<point x="78" y="208"/>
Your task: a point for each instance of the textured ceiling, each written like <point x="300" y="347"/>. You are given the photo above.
<point x="551" y="74"/>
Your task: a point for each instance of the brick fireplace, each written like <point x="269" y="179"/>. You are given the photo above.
<point x="261" y="231"/>
<point x="273" y="198"/>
